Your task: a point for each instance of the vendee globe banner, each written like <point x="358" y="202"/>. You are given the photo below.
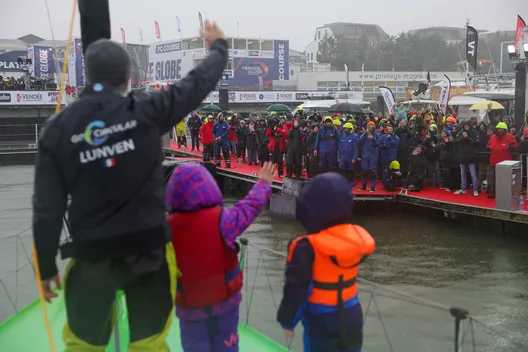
<point x="43" y="62"/>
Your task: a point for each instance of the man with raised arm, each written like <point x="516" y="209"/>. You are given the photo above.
<point x="103" y="152"/>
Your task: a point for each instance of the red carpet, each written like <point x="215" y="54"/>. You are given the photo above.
<point x="449" y="197"/>
<point x="427" y="193"/>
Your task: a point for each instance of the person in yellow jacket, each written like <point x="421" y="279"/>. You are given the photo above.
<point x="180" y="133"/>
<point x="320" y="287"/>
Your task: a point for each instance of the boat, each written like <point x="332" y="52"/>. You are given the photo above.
<point x="14" y="331"/>
<point x="30" y="322"/>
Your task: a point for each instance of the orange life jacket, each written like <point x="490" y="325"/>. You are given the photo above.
<point x="338" y="252"/>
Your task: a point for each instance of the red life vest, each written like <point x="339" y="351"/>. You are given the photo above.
<point x="210" y="272"/>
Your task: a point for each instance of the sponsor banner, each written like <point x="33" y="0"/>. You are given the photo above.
<point x="262" y="71"/>
<point x="268" y="54"/>
<point x="43" y="61"/>
<point x="168" y="62"/>
<point x="253" y="53"/>
<point x="8" y="61"/>
<point x="263" y="97"/>
<point x="238" y="53"/>
<point x="28" y="97"/>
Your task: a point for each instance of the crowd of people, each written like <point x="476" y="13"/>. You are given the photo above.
<point x="406" y="148"/>
<point x="12" y="83"/>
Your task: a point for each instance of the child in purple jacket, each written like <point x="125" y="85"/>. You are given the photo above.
<point x="203" y="233"/>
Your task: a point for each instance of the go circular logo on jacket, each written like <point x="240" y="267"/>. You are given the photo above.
<point x="97" y="133"/>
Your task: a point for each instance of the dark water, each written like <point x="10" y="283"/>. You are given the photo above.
<point x="416" y="255"/>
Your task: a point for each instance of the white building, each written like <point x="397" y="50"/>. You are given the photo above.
<point x="349" y="30"/>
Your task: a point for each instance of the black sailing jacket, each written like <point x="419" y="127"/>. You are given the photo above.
<point x="104" y="152"/>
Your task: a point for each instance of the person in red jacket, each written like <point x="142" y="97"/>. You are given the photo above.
<point x="232" y="137"/>
<point x="502" y="144"/>
<point x="206" y="137"/>
<point x="276" y="133"/>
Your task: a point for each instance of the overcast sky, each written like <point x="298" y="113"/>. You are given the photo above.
<point x="295" y="20"/>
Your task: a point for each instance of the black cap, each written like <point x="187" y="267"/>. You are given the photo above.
<point x="107" y="62"/>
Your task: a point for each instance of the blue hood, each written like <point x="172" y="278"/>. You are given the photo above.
<point x="325" y="201"/>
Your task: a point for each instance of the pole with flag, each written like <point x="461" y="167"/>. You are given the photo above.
<point x="200" y="19"/>
<point x="519" y="32"/>
<point x="140" y="35"/>
<point x="178" y="23"/>
<point x="444" y="94"/>
<point x="346" y="76"/>
<point x="158" y="33"/>
<point x="428" y="80"/>
<point x="123" y="37"/>
<point x="363" y="80"/>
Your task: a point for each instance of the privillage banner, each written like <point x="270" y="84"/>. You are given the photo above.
<point x="444" y="94"/>
<point x="472" y="47"/>
<point x="388" y="97"/>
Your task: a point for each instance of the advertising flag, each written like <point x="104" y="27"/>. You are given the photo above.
<point x="123" y="37"/>
<point x="178" y="24"/>
<point x="388" y="97"/>
<point x="519" y="33"/>
<point x="346" y="76"/>
<point x="472" y="47"/>
<point x="158" y="33"/>
<point x="363" y="78"/>
<point x="444" y="94"/>
<point x="140" y="35"/>
<point x="200" y="19"/>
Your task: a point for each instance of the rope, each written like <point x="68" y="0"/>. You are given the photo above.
<point x="57" y="110"/>
<point x="421" y="301"/>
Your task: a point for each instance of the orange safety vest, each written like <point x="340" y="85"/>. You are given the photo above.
<point x="338" y="252"/>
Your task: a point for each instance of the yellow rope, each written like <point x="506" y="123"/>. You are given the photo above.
<point x="66" y="57"/>
<point x="35" y="256"/>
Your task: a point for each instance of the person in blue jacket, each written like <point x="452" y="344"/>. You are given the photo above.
<point x="220" y="134"/>
<point x="348" y="151"/>
<point x="388" y="144"/>
<point x="369" y="141"/>
<point x="326" y="145"/>
<point x="320" y="286"/>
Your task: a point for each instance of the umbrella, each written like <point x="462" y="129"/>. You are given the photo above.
<point x="278" y="108"/>
<point x="483" y="105"/>
<point x="211" y="108"/>
<point x="346" y="108"/>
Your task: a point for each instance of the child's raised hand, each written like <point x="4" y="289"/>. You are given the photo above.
<point x="268" y="172"/>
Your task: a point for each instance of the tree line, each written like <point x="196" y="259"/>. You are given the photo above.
<point x="408" y="52"/>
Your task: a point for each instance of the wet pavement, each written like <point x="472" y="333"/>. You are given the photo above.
<point x="442" y="265"/>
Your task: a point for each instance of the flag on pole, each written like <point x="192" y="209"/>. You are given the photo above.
<point x="388" y="97"/>
<point x="346" y="76"/>
<point x="200" y="19"/>
<point x="428" y="80"/>
<point x="363" y="79"/>
<point x="158" y="33"/>
<point x="519" y="33"/>
<point x="444" y="94"/>
<point x="178" y="24"/>
<point x="123" y="37"/>
<point x="140" y="35"/>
